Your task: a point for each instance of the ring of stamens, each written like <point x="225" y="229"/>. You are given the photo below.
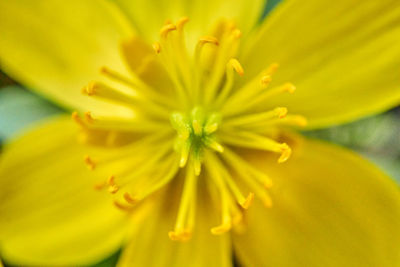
<point x="208" y="118"/>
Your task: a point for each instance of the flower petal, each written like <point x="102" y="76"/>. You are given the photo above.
<point x="340" y="55"/>
<point x="331" y="208"/>
<point x="150" y="15"/>
<point x="49" y="212"/>
<point x="58" y="47"/>
<point x="150" y="233"/>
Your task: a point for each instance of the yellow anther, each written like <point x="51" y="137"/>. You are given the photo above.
<point x="237" y="33"/>
<point x="236" y="66"/>
<point x="89" y="89"/>
<point x="157" y="47"/>
<point x="183" y="235"/>
<point x="221" y="229"/>
<point x="88" y="117"/>
<point x="285" y="153"/>
<point x="281" y="112"/>
<point x="75" y="117"/>
<point x="167" y="29"/>
<point x="99" y="186"/>
<point x="111" y="180"/>
<point x="289" y="87"/>
<point x="113" y="189"/>
<point x="267" y="202"/>
<point x="266" y="80"/>
<point x="89" y="163"/>
<point x="208" y="40"/>
<point x="248" y="201"/>
<point x="122" y="206"/>
<point x="181" y="22"/>
<point x="128" y="198"/>
<point x="299" y="120"/>
<point x="272" y="69"/>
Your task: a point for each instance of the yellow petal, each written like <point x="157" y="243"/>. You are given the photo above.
<point x="58" y="47"/>
<point x="49" y="212"/>
<point x="340" y="55"/>
<point x="150" y="245"/>
<point x="150" y="15"/>
<point x="331" y="208"/>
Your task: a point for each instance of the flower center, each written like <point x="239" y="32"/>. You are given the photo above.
<point x="191" y="120"/>
<point x="196" y="131"/>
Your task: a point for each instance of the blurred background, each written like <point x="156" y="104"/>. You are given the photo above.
<point x="376" y="138"/>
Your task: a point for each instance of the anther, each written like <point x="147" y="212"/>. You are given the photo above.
<point x="221" y="229"/>
<point x="75" y="117"/>
<point x="128" y="198"/>
<point x="208" y="40"/>
<point x="266" y="80"/>
<point x="157" y="47"/>
<point x="281" y="112"/>
<point x="167" y="29"/>
<point x="272" y="69"/>
<point x="89" y="89"/>
<point x="183" y="235"/>
<point x="289" y="87"/>
<point x="112" y="188"/>
<point x="236" y="66"/>
<point x="89" y="163"/>
<point x="99" y="186"/>
<point x="248" y="201"/>
<point x="122" y="206"/>
<point x="285" y="153"/>
<point x="88" y="117"/>
<point x="237" y="33"/>
<point x="181" y="22"/>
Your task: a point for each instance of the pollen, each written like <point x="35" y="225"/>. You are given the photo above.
<point x="195" y="110"/>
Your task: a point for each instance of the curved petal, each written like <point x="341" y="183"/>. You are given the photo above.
<point x="331" y="208"/>
<point x="150" y="235"/>
<point x="340" y="55"/>
<point x="49" y="212"/>
<point x="58" y="47"/>
<point x="150" y="15"/>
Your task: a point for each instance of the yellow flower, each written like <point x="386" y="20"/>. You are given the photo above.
<point x="182" y="120"/>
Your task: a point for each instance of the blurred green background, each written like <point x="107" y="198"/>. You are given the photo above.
<point x="376" y="138"/>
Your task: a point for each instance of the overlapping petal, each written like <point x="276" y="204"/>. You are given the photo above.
<point x="331" y="208"/>
<point x="57" y="47"/>
<point x="150" y="245"/>
<point x="149" y="15"/>
<point x="50" y="213"/>
<point x="341" y="56"/>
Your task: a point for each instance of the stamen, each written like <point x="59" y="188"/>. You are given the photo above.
<point x="122" y="206"/>
<point x="236" y="66"/>
<point x="75" y="117"/>
<point x="181" y="22"/>
<point x="89" y="163"/>
<point x="286" y="152"/>
<point x="182" y="230"/>
<point x="256" y="141"/>
<point x="157" y="47"/>
<point x="129" y="198"/>
<point x="166" y="30"/>
<point x="279" y="112"/>
<point x="112" y="187"/>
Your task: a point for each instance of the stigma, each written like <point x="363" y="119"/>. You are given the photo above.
<point x="196" y="111"/>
